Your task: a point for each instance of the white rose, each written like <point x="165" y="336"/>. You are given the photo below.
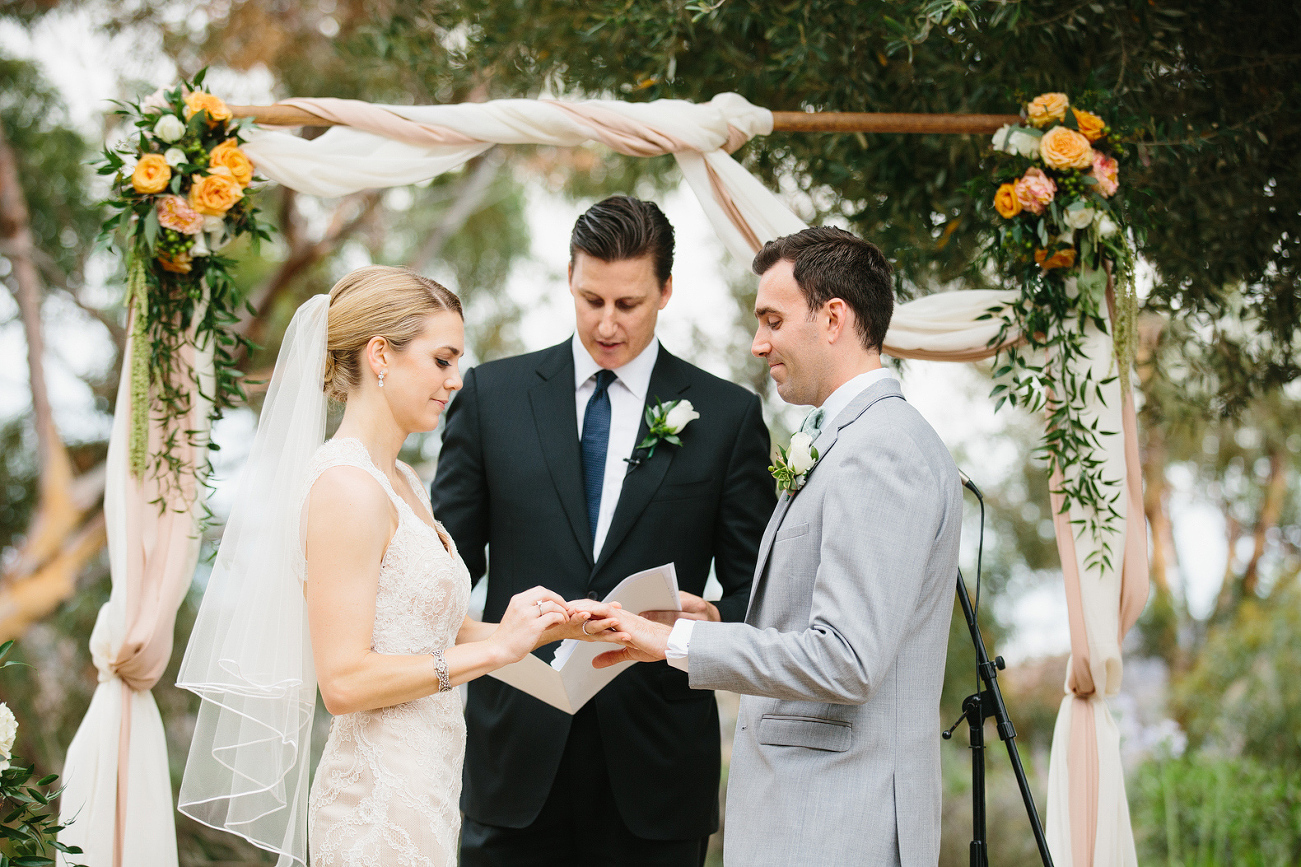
<point x="1106" y="226"/>
<point x="678" y="417"/>
<point x="215" y="228"/>
<point x="1014" y="140"/>
<point x="8" y="731"/>
<point x="169" y="128"/>
<point x="1079" y="218"/>
<point x="799" y="457"/>
<point x="199" y="248"/>
<point x="175" y="156"/>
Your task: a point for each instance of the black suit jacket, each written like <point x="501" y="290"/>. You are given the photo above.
<point x="510" y="480"/>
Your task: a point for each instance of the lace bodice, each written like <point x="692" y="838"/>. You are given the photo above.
<point x="424" y="588"/>
<point x="387" y="789"/>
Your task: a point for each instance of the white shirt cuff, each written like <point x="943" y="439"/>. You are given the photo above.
<point x="679" y="643"/>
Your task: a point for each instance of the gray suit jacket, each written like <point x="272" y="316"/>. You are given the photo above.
<point x="836" y="759"/>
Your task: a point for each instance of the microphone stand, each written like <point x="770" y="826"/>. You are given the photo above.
<point x="978" y="707"/>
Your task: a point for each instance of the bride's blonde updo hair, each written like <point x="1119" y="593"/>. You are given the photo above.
<point x="377" y="301"/>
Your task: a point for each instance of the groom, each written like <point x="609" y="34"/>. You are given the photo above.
<point x="533" y="467"/>
<point x="841" y="656"/>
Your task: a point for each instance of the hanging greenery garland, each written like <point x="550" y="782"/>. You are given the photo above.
<point x="179" y="196"/>
<point x="1062" y="239"/>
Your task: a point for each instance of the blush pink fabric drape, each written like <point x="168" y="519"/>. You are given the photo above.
<point x="118" y="787"/>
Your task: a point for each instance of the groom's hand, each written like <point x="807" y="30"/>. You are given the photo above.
<point x="645" y="641"/>
<point x="693" y="608"/>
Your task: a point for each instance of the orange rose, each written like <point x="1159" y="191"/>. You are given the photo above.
<point x="198" y="100"/>
<point x="151" y="175"/>
<point x="215" y="193"/>
<point x="228" y="155"/>
<point x="1064" y="148"/>
<point x="1006" y="201"/>
<point x="178" y="263"/>
<point x="1061" y="259"/>
<point x="1091" y="126"/>
<point x="1046" y="108"/>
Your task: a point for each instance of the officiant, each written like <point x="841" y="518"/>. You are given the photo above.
<point x="550" y="473"/>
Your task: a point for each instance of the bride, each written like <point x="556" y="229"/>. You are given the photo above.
<point x="333" y="571"/>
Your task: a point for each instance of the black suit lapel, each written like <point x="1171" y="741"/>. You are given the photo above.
<point x="668" y="382"/>
<point x="557" y="423"/>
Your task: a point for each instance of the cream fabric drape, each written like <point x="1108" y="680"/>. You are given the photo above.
<point x="118" y="790"/>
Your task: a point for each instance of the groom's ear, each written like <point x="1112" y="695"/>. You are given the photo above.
<point x="836" y="320"/>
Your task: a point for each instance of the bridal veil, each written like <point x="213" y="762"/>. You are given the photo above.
<point x="250" y="658"/>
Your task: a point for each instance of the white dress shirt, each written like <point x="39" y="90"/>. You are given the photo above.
<point x="627" y="404"/>
<point x="836" y="402"/>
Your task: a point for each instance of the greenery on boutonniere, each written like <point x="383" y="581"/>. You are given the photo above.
<point x="793" y="464"/>
<point x="664" y="424"/>
<point x="178" y="196"/>
<point x="1062" y="239"/>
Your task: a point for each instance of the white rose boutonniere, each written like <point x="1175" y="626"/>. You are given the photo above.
<point x="794" y="463"/>
<point x="8" y="731"/>
<point x="664" y="423"/>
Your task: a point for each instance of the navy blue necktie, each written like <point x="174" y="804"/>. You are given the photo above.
<point x="596" y="441"/>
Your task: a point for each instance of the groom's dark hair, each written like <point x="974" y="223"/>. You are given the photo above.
<point x="832" y="263"/>
<point x="622" y="227"/>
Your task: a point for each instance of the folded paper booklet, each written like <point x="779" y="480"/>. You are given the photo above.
<point x="570" y="680"/>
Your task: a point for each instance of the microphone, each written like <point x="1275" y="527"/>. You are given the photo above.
<point x="970" y="485"/>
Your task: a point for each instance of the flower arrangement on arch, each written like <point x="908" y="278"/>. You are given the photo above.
<point x="180" y="195"/>
<point x="1060" y="238"/>
<point x="1055" y="191"/>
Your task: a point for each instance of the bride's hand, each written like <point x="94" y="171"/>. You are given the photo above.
<point x="528" y="620"/>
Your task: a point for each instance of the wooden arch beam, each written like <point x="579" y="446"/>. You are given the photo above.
<point x="782" y="121"/>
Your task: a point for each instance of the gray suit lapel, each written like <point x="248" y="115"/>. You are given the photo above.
<point x="824" y="443"/>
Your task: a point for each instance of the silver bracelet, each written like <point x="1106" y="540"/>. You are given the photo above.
<point x="440" y="670"/>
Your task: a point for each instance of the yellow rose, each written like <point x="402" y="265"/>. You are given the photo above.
<point x="1046" y="108"/>
<point x="228" y="155"/>
<point x="1064" y="148"/>
<point x="198" y="100"/>
<point x="1006" y="201"/>
<point x="1061" y="259"/>
<point x="216" y="193"/>
<point x="1091" y="126"/>
<point x="152" y="174"/>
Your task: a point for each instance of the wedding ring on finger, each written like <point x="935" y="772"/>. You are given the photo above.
<point x="584" y="628"/>
<point x="539" y="605"/>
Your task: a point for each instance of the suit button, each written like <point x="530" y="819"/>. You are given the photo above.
<point x="591" y="594"/>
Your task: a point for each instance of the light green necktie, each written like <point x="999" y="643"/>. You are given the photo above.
<point x="813" y="423"/>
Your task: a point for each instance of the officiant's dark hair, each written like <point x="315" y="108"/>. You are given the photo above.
<point x="832" y="263"/>
<point x="622" y="227"/>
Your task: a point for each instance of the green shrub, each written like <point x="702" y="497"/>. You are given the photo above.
<point x="1201" y="810"/>
<point x="28" y="822"/>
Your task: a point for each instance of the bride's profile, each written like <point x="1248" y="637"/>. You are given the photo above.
<point x="333" y="571"/>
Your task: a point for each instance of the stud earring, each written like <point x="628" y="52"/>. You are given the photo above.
<point x="381" y="379"/>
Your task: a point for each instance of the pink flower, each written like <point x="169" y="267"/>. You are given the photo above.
<point x="176" y="214"/>
<point x="1035" y="190"/>
<point x="1106" y="171"/>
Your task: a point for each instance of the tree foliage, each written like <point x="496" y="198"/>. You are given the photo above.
<point x="1207" y="88"/>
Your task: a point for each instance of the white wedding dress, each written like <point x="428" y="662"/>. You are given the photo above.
<point x="387" y="789"/>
